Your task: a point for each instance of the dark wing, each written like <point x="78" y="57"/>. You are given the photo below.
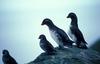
<point x="46" y="46"/>
<point x="78" y="34"/>
<point x="8" y="60"/>
<point x="13" y="61"/>
<point x="49" y="47"/>
<point x="63" y="36"/>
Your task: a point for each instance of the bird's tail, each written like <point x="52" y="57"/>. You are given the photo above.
<point x="69" y="43"/>
<point x="53" y="50"/>
<point x="52" y="53"/>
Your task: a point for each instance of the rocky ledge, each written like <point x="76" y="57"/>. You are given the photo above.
<point x="69" y="56"/>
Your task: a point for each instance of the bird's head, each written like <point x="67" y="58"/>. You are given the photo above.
<point x="71" y="15"/>
<point x="42" y="36"/>
<point x="5" y="52"/>
<point x="47" y="22"/>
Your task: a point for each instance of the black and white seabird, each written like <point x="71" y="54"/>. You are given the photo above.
<point x="75" y="33"/>
<point x="46" y="45"/>
<point x="7" y="59"/>
<point x="59" y="36"/>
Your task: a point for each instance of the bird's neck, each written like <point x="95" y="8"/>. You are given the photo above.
<point x="51" y="26"/>
<point x="74" y="22"/>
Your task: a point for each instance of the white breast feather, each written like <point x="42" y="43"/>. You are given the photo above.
<point x="55" y="37"/>
<point x="72" y="36"/>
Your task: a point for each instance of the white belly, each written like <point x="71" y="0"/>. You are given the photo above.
<point x="72" y="36"/>
<point x="54" y="35"/>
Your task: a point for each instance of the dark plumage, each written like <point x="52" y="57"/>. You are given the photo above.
<point x="59" y="36"/>
<point x="45" y="45"/>
<point x="75" y="33"/>
<point x="7" y="59"/>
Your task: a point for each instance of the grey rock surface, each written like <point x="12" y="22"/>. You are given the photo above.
<point x="69" y="56"/>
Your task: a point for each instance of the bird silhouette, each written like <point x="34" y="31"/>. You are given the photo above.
<point x="75" y="33"/>
<point x="7" y="59"/>
<point x="58" y="35"/>
<point x="46" y="45"/>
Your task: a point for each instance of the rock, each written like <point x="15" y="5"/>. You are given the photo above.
<point x="96" y="45"/>
<point x="69" y="56"/>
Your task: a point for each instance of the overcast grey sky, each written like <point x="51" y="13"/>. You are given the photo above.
<point x="20" y="23"/>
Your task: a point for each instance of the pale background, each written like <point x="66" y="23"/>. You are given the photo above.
<point x="20" y="23"/>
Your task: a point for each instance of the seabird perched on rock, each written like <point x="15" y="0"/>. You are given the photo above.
<point x="59" y="35"/>
<point x="75" y="33"/>
<point x="46" y="45"/>
<point x="7" y="59"/>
